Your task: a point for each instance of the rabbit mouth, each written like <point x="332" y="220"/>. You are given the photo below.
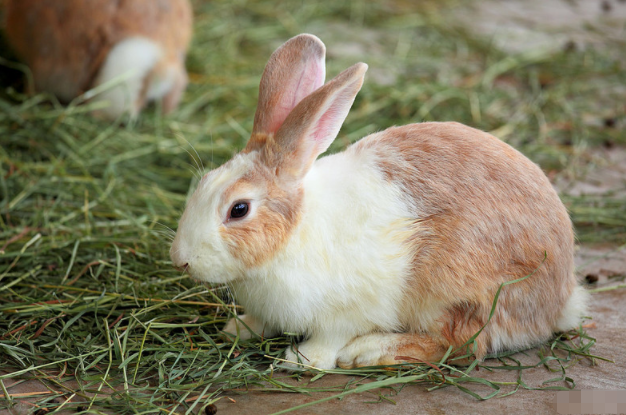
<point x="209" y="276"/>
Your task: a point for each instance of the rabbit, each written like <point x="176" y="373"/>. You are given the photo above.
<point x="388" y="252"/>
<point x="72" y="46"/>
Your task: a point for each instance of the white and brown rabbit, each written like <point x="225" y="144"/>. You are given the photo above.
<point x="394" y="247"/>
<point x="72" y="46"/>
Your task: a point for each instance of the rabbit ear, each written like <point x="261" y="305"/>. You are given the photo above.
<point x="313" y="125"/>
<point x="293" y="71"/>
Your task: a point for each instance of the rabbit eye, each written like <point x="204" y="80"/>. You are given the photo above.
<point x="239" y="210"/>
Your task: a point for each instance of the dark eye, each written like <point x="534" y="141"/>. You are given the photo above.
<point x="239" y="210"/>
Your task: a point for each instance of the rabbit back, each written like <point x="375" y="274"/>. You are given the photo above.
<point x="483" y="214"/>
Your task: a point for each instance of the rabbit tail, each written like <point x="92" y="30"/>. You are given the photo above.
<point x="125" y="77"/>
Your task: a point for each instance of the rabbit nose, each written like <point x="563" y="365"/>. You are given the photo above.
<point x="178" y="261"/>
<point x="178" y="258"/>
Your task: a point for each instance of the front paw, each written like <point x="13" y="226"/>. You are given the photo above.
<point x="246" y="326"/>
<point x="369" y="350"/>
<point x="304" y="356"/>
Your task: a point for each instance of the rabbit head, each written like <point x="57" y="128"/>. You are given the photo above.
<point x="243" y="213"/>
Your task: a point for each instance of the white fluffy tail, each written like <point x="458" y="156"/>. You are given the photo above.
<point x="574" y="310"/>
<point x="125" y="68"/>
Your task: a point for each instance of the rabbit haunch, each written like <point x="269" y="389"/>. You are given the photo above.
<point x="394" y="247"/>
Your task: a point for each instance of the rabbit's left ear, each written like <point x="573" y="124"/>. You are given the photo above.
<point x="293" y="71"/>
<point x="314" y="123"/>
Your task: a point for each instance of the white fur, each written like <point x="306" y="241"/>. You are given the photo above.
<point x="340" y="274"/>
<point x="574" y="310"/>
<point x="198" y="240"/>
<point x="259" y="328"/>
<point x="343" y="270"/>
<point x="126" y="66"/>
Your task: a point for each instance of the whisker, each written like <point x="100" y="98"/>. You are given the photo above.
<point x="212" y="150"/>
<point x="165" y="226"/>
<point x="198" y="155"/>
<point x="184" y="271"/>
<point x="197" y="161"/>
<point x="175" y="252"/>
<point x="194" y="172"/>
<point x="166" y="232"/>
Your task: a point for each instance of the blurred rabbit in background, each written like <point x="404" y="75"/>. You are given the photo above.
<point x="72" y="46"/>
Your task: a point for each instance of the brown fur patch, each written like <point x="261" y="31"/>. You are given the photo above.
<point x="486" y="215"/>
<point x="257" y="141"/>
<point x="285" y="160"/>
<point x="256" y="239"/>
<point x="418" y="346"/>
<point x="460" y="323"/>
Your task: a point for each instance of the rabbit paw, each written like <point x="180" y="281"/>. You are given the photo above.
<point x="235" y="325"/>
<point x="368" y="350"/>
<point x="308" y="354"/>
<point x="385" y="349"/>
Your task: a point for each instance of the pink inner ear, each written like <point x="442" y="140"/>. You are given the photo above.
<point x="311" y="79"/>
<point x="329" y="124"/>
<point x="297" y="88"/>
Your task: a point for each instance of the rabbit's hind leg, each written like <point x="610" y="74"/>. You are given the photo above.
<point x="123" y="76"/>
<point x="166" y="83"/>
<point x="382" y="349"/>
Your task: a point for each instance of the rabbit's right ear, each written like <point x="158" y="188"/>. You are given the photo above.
<point x="294" y="70"/>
